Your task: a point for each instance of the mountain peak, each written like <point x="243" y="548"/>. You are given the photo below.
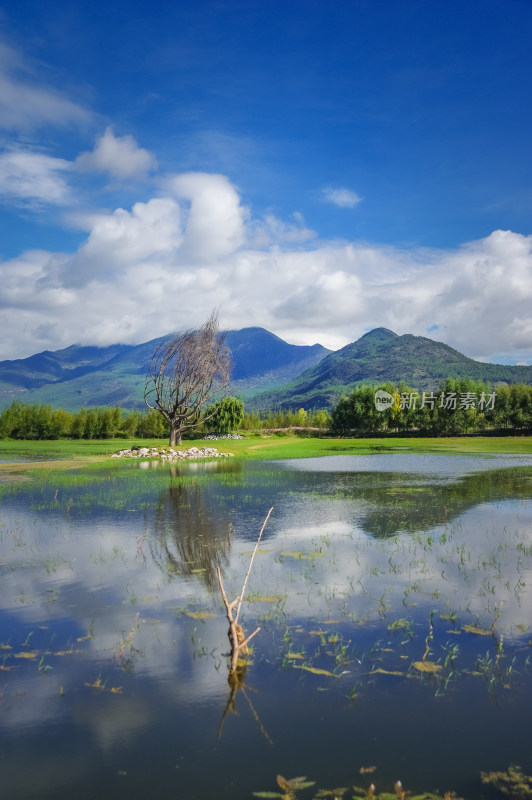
<point x="379" y="335"/>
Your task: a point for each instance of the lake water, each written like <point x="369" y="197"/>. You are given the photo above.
<point x="393" y="595"/>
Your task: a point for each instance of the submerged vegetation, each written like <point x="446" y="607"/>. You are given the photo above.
<point x="512" y="783"/>
<point x="392" y="596"/>
<point x="291" y="789"/>
<point x="66" y="454"/>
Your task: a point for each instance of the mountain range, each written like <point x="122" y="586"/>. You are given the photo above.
<point x="381" y="356"/>
<point x="267" y="371"/>
<point x="108" y="376"/>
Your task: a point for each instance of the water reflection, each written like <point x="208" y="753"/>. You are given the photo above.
<point x="190" y="536"/>
<point x="113" y="638"/>
<point x="405" y="502"/>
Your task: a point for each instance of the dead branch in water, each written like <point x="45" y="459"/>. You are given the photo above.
<point x="236" y="635"/>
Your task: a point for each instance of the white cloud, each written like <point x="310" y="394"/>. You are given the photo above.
<point x="337" y="290"/>
<point x="215" y="223"/>
<point x="120" y="156"/>
<point x="33" y="177"/>
<point x="272" y="230"/>
<point x="165" y="263"/>
<point x="125" y="238"/>
<point x="25" y="103"/>
<point x="341" y="197"/>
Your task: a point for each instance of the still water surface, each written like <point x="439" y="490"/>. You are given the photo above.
<point x="394" y="596"/>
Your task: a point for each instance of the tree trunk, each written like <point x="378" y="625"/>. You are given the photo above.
<point x="175" y="436"/>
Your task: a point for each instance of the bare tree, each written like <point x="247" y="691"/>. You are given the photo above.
<point x="185" y="372"/>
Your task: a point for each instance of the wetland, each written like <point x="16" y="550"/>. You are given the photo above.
<point x="393" y="593"/>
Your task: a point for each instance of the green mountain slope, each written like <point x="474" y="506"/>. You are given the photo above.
<point x="380" y="356"/>
<point x="111" y="376"/>
<point x="267" y="371"/>
<point x="48" y="366"/>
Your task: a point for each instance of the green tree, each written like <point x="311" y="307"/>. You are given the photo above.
<point x="78" y="425"/>
<point x="225" y="415"/>
<point x="251" y="421"/>
<point x="520" y="404"/>
<point x="130" y="424"/>
<point x="61" y="424"/>
<point x="320" y="419"/>
<point x="152" y="426"/>
<point x="9" y="420"/>
<point x="92" y="425"/>
<point x="358" y="413"/>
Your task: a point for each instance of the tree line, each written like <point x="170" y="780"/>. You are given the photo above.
<point x="24" y="421"/>
<point x="459" y="406"/>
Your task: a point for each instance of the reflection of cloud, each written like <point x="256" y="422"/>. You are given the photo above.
<point x="62" y="578"/>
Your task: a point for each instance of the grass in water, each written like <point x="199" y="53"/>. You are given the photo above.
<point x="263" y="447"/>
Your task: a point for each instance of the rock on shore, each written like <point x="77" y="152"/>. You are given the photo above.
<point x="169" y="454"/>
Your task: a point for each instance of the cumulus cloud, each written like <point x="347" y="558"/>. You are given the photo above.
<point x="26" y="103"/>
<point x="128" y="237"/>
<point x="215" y="219"/>
<point x="341" y="197"/>
<point x="163" y="265"/>
<point x="31" y="177"/>
<point x="120" y="156"/>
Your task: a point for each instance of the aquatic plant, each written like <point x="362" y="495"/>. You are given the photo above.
<point x="289" y="786"/>
<point x="513" y="783"/>
<point x="292" y="787"/>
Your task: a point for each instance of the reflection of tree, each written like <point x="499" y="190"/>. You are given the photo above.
<point x="405" y="502"/>
<point x="191" y="533"/>
<point x="236" y="680"/>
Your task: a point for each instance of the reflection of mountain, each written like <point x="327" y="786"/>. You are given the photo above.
<point x="379" y="503"/>
<point x="192" y="535"/>
<point x="403" y="502"/>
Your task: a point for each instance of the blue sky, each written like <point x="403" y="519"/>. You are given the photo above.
<point x="317" y="168"/>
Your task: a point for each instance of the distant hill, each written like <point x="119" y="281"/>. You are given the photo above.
<point x="92" y="376"/>
<point x="48" y="366"/>
<point x="380" y="356"/>
<point x="267" y="371"/>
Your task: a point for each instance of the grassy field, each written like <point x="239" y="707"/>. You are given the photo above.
<point x="76" y="452"/>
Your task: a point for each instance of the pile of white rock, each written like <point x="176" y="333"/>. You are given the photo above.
<point x="217" y="436"/>
<point x="169" y="454"/>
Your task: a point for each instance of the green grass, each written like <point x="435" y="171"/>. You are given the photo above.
<point x="77" y="452"/>
<point x="68" y="448"/>
<point x="293" y="447"/>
